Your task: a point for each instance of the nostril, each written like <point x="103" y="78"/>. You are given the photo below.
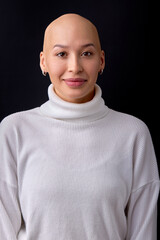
<point x="75" y="68"/>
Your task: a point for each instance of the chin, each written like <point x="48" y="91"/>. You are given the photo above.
<point x="80" y="97"/>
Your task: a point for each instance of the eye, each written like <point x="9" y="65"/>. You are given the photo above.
<point x="86" y="54"/>
<point x="61" y="54"/>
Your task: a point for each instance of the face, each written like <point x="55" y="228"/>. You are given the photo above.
<point x="72" y="57"/>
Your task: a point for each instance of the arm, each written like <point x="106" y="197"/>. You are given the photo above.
<point x="10" y="214"/>
<point x="142" y="205"/>
<point x="142" y="213"/>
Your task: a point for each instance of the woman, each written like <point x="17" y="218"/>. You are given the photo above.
<point x="74" y="169"/>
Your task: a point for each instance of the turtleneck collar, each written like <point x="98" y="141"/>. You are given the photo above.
<point x="80" y="112"/>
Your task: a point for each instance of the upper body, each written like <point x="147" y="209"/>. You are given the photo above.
<point x="77" y="171"/>
<point x="74" y="169"/>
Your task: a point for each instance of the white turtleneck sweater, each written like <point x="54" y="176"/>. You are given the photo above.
<point x="77" y="172"/>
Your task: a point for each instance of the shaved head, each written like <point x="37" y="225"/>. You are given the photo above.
<point x="70" y="23"/>
<point x="72" y="50"/>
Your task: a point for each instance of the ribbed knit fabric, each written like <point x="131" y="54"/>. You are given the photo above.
<point x="86" y="112"/>
<point x="77" y="172"/>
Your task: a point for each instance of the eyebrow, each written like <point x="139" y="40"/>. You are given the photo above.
<point x="64" y="46"/>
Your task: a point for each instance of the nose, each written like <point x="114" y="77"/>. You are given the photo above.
<point x="74" y="64"/>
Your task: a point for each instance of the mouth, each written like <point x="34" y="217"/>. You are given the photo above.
<point x="75" y="82"/>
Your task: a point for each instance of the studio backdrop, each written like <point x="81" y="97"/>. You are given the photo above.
<point x="126" y="32"/>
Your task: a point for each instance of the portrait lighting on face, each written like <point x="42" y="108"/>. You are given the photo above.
<point x="72" y="57"/>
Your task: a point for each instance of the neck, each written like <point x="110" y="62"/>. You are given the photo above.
<point x="60" y="109"/>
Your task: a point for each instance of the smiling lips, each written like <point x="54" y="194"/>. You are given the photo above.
<point x="75" y="82"/>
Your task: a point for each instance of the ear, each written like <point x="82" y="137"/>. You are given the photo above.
<point x="42" y="62"/>
<point x="102" y="59"/>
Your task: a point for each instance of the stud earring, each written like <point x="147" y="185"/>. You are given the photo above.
<point x="44" y="73"/>
<point x="101" y="72"/>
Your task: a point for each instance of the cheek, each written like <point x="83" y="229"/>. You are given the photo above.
<point x="55" y="68"/>
<point x="93" y="67"/>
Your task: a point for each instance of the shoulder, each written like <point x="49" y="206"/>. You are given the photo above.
<point x="128" y="123"/>
<point x="14" y="120"/>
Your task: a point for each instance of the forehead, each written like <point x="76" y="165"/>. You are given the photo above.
<point x="71" y="32"/>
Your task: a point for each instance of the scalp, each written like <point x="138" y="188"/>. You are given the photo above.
<point x="70" y="21"/>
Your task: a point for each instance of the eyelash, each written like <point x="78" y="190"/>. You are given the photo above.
<point x="64" y="54"/>
<point x="61" y="54"/>
<point x="88" y="53"/>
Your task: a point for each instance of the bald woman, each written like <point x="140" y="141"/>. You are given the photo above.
<point x="72" y="57"/>
<point x="73" y="169"/>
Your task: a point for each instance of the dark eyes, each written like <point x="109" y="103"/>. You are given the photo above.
<point x="61" y="54"/>
<point x="86" y="54"/>
<point x="64" y="54"/>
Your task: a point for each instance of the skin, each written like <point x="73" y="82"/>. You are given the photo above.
<point x="72" y="49"/>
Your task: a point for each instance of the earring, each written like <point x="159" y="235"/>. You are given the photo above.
<point x="101" y="72"/>
<point x="44" y="73"/>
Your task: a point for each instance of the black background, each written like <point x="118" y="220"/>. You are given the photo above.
<point x="128" y="37"/>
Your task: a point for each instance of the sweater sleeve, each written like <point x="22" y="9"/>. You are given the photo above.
<point x="142" y="204"/>
<point x="10" y="214"/>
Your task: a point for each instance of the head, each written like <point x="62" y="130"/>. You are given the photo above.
<point x="72" y="57"/>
